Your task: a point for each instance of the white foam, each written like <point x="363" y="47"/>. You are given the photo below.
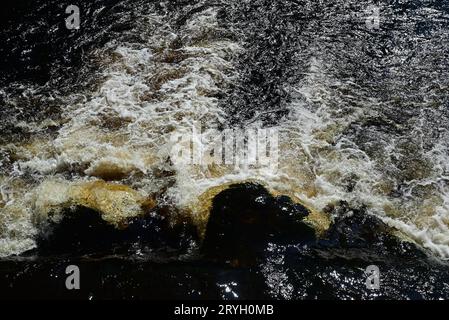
<point x="317" y="124"/>
<point x="137" y="136"/>
<point x="125" y="127"/>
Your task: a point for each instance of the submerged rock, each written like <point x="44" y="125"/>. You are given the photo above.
<point x="244" y="220"/>
<point x="362" y="235"/>
<point x="115" y="202"/>
<point x="245" y="217"/>
<point x="84" y="231"/>
<point x="259" y="245"/>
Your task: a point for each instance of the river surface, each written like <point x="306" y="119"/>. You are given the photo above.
<point x="350" y="100"/>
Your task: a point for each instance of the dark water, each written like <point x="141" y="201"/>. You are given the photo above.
<point x="238" y="260"/>
<point x="382" y="93"/>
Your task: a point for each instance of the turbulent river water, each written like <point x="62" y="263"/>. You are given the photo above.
<point x="355" y="93"/>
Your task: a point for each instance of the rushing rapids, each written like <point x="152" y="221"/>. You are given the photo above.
<point x="360" y="175"/>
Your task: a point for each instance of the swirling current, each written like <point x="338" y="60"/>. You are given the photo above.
<point x="352" y="98"/>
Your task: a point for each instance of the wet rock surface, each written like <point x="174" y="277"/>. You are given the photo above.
<point x="256" y="247"/>
<point x="83" y="231"/>
<point x="360" y="234"/>
<point x="245" y="217"/>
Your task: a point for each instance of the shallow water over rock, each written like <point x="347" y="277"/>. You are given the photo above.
<point x="88" y="175"/>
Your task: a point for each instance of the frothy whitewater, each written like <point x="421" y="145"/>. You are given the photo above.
<point x="362" y="117"/>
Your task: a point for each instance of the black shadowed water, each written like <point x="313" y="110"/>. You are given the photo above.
<point x="362" y="112"/>
<point x="248" y="259"/>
